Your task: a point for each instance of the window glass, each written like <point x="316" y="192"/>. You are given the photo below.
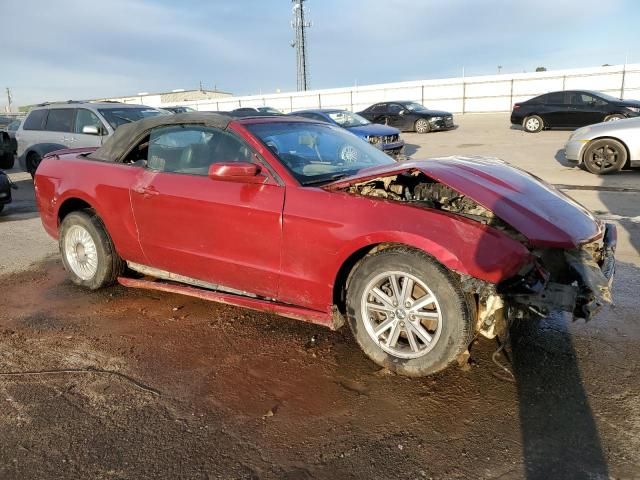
<point x="13" y="126"/>
<point x="60" y="120"/>
<point x="379" y="108"/>
<point x="35" y="120"/>
<point x="119" y="116"/>
<point x="347" y="119"/>
<point x="313" y="116"/>
<point x="585" y="99"/>
<point x="395" y="108"/>
<point x="192" y="149"/>
<point x="86" y="118"/>
<point x="318" y="153"/>
<point x="556" y="98"/>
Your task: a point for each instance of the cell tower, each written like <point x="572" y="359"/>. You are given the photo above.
<point x="300" y="25"/>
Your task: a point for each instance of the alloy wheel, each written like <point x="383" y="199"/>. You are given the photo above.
<point x="401" y="314"/>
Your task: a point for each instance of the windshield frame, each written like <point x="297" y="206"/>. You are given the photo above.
<point x="324" y="178"/>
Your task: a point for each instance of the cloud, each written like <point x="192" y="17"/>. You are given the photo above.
<point x="78" y="49"/>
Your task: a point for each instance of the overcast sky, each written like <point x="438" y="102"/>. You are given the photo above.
<point x="62" y="49"/>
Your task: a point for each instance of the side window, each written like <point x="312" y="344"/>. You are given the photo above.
<point x="379" y="108"/>
<point x="556" y="98"/>
<point x="315" y="116"/>
<point x="86" y="118"/>
<point x="60" y="120"/>
<point x="35" y="120"/>
<point x="192" y="149"/>
<point x="395" y="108"/>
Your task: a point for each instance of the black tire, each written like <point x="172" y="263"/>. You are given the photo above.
<point x="422" y="126"/>
<point x="533" y="124"/>
<point x="455" y="329"/>
<point x="109" y="264"/>
<point x="604" y="156"/>
<point x="614" y="117"/>
<point x="32" y="162"/>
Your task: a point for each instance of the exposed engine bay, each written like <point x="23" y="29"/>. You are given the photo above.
<point x="576" y="280"/>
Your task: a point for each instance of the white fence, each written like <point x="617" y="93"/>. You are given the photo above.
<point x="480" y="94"/>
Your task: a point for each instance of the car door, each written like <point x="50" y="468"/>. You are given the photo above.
<point x="80" y="137"/>
<point x="377" y="113"/>
<point x="58" y="127"/>
<point x="223" y="232"/>
<point x="584" y="109"/>
<point x="555" y="109"/>
<point x="395" y="115"/>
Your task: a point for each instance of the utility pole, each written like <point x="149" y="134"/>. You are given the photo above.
<point x="299" y="24"/>
<point x="9" y="99"/>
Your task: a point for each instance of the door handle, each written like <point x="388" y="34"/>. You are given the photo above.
<point x="146" y="191"/>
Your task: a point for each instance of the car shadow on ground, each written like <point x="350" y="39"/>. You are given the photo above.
<point x="559" y="434"/>
<point x="561" y="158"/>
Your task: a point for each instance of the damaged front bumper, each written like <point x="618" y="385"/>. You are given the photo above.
<point x="577" y="281"/>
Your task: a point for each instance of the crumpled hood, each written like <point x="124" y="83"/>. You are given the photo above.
<point x="543" y="214"/>
<point x="374" y="129"/>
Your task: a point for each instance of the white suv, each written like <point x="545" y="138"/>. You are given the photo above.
<point x="56" y="126"/>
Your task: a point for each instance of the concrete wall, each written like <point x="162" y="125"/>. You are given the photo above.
<point x="490" y="93"/>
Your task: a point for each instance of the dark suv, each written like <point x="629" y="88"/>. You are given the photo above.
<point x="571" y="108"/>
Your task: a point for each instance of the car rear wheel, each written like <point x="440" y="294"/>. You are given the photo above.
<point x="613" y="118"/>
<point x="33" y="160"/>
<point x="533" y="124"/>
<point x="604" y="156"/>
<point x="422" y="126"/>
<point x="407" y="312"/>
<point x="87" y="251"/>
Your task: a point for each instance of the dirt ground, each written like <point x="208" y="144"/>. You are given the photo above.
<point x="131" y="384"/>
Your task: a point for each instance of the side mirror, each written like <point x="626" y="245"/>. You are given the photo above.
<point x="242" y="172"/>
<point x="402" y="112"/>
<point x="90" y="130"/>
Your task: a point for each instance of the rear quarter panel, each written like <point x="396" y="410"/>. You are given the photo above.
<point x="321" y="230"/>
<point x="104" y="186"/>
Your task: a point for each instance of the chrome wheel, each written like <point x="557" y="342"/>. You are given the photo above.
<point x="422" y="126"/>
<point x="80" y="252"/>
<point x="532" y="124"/>
<point x="401" y="314"/>
<point x="613" y="118"/>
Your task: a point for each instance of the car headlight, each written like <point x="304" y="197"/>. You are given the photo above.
<point x="634" y="109"/>
<point x="435" y="119"/>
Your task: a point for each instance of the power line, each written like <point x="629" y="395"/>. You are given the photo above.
<point x="300" y="25"/>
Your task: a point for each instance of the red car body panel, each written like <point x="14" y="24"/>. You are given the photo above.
<point x="288" y="242"/>
<point x="543" y="214"/>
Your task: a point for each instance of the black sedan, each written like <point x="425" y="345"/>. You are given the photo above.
<point x="408" y="116"/>
<point x="570" y="109"/>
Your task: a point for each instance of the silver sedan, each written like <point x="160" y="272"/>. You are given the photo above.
<point x="606" y="147"/>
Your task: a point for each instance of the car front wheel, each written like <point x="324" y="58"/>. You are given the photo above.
<point x="407" y="312"/>
<point x="87" y="251"/>
<point x="613" y="118"/>
<point x="604" y="156"/>
<point x="533" y="124"/>
<point x="422" y="126"/>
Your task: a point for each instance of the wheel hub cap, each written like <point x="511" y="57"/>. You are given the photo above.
<point x="401" y="314"/>
<point x="80" y="252"/>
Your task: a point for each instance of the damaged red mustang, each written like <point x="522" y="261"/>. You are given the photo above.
<point x="306" y="220"/>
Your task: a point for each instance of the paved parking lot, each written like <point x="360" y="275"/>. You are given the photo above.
<point x="132" y="384"/>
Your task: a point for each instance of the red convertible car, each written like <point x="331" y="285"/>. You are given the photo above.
<point x="306" y="220"/>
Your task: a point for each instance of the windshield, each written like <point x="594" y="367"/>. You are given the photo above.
<point x="413" y="106"/>
<point x="318" y="153"/>
<point x="120" y="116"/>
<point x="269" y="110"/>
<point x="604" y="96"/>
<point x="347" y="119"/>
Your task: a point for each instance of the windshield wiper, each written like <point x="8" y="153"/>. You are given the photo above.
<point x="332" y="178"/>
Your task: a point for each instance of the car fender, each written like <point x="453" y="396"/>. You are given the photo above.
<point x="484" y="253"/>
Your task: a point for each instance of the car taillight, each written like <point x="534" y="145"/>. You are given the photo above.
<point x="516" y="106"/>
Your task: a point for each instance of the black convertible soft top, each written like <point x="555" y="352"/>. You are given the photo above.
<point x="126" y="135"/>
